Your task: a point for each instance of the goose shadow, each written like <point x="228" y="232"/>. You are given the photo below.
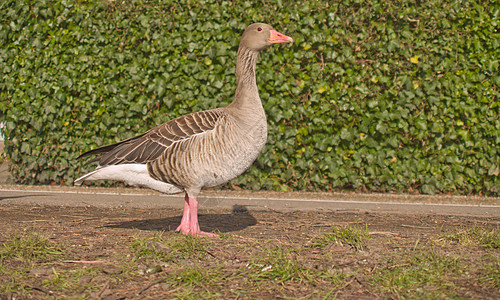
<point x="18" y="197"/>
<point x="239" y="219"/>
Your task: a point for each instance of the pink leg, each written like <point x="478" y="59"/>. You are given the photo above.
<point x="189" y="223"/>
<point x="184" y="227"/>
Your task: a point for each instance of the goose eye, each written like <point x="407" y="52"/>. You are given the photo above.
<point x="259" y="29"/>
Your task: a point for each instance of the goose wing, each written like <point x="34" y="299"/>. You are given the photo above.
<point x="151" y="144"/>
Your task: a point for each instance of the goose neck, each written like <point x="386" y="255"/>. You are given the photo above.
<point x="247" y="94"/>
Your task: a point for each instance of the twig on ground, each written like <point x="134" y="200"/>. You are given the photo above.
<point x="84" y="261"/>
<point x="347" y="284"/>
<point x="104" y="287"/>
<point x="151" y="285"/>
<point x="413" y="226"/>
<point x="34" y="287"/>
<point x="383" y="233"/>
<point x="211" y="254"/>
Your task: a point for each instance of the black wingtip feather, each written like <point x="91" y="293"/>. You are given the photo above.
<point x="107" y="148"/>
<point x="99" y="150"/>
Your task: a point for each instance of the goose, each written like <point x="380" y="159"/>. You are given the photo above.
<point x="198" y="150"/>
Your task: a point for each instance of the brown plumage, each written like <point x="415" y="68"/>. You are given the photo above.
<point x="150" y="145"/>
<point x="201" y="149"/>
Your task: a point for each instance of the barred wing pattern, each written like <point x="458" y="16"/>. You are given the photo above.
<point x="150" y="145"/>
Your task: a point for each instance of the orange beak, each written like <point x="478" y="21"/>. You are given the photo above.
<point x="277" y="37"/>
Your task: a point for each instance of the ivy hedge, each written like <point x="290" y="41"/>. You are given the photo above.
<point x="379" y="95"/>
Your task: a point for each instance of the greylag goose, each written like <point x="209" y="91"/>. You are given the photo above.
<point x="201" y="149"/>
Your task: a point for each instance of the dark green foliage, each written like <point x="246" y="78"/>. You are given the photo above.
<point x="373" y="95"/>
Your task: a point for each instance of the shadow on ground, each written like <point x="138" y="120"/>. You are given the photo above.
<point x="239" y="219"/>
<point x="18" y="197"/>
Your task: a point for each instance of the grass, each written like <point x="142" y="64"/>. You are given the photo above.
<point x="287" y="264"/>
<point x="491" y="275"/>
<point x="473" y="236"/>
<point x="196" y="282"/>
<point x="179" y="257"/>
<point x="160" y="250"/>
<point x="279" y="264"/>
<point x="173" y="259"/>
<point x="355" y="236"/>
<point x="415" y="275"/>
<point x="14" y="286"/>
<point x="321" y="267"/>
<point x="22" y="252"/>
<point x="69" y="280"/>
<point x="30" y="247"/>
<point x="196" y="276"/>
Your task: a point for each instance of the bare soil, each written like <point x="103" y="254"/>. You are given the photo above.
<point x="98" y="243"/>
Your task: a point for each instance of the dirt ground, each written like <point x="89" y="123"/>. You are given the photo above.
<point x="123" y="253"/>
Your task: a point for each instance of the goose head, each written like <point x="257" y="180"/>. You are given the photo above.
<point x="260" y="36"/>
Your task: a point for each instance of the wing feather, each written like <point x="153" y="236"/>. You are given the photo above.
<point x="151" y="144"/>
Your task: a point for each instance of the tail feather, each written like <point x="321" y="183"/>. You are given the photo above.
<point x="81" y="179"/>
<point x="107" y="148"/>
<point x="133" y="174"/>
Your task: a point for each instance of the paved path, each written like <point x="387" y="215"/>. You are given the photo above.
<point x="139" y="198"/>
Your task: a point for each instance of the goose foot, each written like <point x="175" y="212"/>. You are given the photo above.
<point x="200" y="233"/>
<point x="189" y="223"/>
